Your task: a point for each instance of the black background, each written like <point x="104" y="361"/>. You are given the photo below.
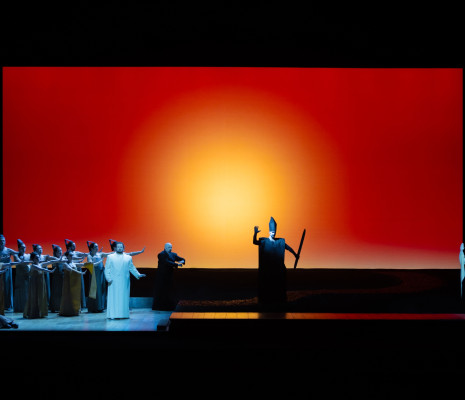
<point x="327" y="362"/>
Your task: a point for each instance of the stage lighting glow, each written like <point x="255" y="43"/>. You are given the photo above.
<point x="369" y="161"/>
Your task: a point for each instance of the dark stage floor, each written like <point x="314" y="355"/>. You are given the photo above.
<point x="318" y="290"/>
<point x="378" y="334"/>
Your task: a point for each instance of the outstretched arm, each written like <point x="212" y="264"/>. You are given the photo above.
<point x="40" y="268"/>
<point x="104" y="255"/>
<point x="12" y="252"/>
<point x="164" y="258"/>
<point x="4" y="267"/>
<point x="180" y="259"/>
<point x="135" y="253"/>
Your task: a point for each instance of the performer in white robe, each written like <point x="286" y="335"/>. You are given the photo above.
<point x="117" y="269"/>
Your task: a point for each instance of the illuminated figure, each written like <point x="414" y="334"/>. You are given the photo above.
<point x="96" y="302"/>
<point x="7" y="276"/>
<point x="117" y="269"/>
<point x="56" y="280"/>
<point x="164" y="298"/>
<point x="36" y="303"/>
<point x="77" y="256"/>
<point x="70" y="304"/>
<point x="37" y="248"/>
<point x="462" y="271"/>
<point x="5" y="322"/>
<point x="21" y="278"/>
<point x="271" y="268"/>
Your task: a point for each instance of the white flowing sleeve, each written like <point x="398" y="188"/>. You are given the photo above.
<point x="107" y="269"/>
<point x="133" y="270"/>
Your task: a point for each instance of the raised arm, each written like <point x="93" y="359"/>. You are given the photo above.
<point x="255" y="232"/>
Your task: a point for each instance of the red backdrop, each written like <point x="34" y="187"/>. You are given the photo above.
<point x="369" y="161"/>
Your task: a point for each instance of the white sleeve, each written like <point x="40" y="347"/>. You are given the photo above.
<point x="133" y="270"/>
<point x="107" y="269"/>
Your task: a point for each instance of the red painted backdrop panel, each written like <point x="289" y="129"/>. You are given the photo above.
<point x="369" y="161"/>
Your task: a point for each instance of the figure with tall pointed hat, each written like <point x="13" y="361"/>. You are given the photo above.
<point x="37" y="302"/>
<point x="271" y="268"/>
<point x="21" y="277"/>
<point x="70" y="304"/>
<point x="77" y="256"/>
<point x="4" y="267"/>
<point x="37" y="248"/>
<point x="56" y="280"/>
<point x="96" y="301"/>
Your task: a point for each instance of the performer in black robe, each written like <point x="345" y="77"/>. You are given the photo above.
<point x="43" y="258"/>
<point x="271" y="268"/>
<point x="7" y="276"/>
<point x="56" y="281"/>
<point x="164" y="298"/>
<point x="77" y="256"/>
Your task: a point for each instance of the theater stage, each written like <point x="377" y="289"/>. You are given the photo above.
<point x="141" y="319"/>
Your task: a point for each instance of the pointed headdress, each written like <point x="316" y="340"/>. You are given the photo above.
<point x="273" y="225"/>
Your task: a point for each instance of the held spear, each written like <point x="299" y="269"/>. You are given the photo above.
<point x="300" y="248"/>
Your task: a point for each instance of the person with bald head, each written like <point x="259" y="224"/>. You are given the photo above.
<point x="164" y="298"/>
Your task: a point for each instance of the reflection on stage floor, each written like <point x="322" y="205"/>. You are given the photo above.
<point x="141" y="319"/>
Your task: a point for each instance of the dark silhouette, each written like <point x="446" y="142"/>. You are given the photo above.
<point x="164" y="298"/>
<point x="7" y="276"/>
<point x="271" y="268"/>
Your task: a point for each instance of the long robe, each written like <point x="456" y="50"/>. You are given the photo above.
<point x="96" y="302"/>
<point x="2" y="297"/>
<point x="43" y="258"/>
<point x="56" y="287"/>
<point x="36" y="304"/>
<point x="7" y="277"/>
<point x="70" y="304"/>
<point x="117" y="271"/>
<point x="21" y="284"/>
<point x="271" y="272"/>
<point x="164" y="297"/>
